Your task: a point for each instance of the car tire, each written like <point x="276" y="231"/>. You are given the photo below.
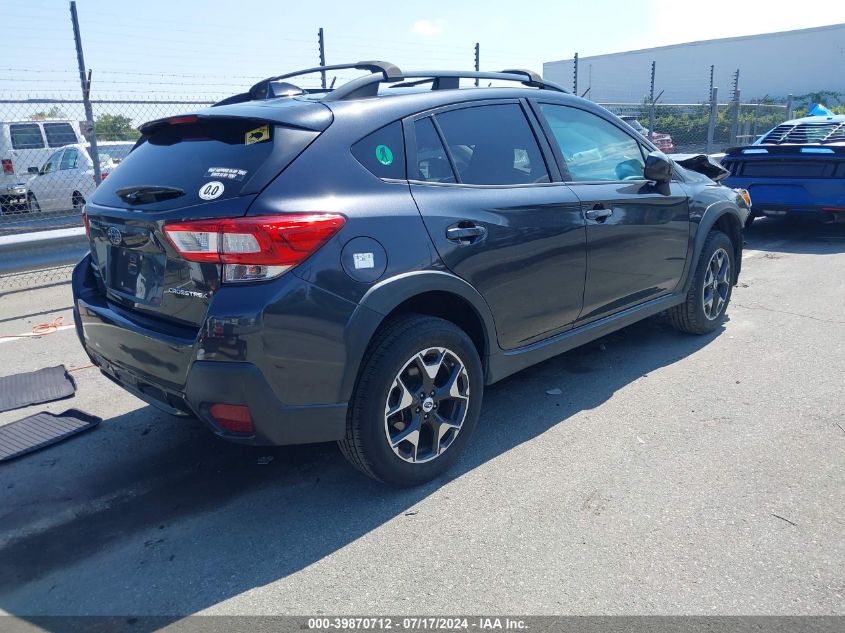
<point x="710" y="292"/>
<point x="32" y="204"/>
<point x="385" y="418"/>
<point x="77" y="200"/>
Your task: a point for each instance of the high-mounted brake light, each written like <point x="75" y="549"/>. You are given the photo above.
<point x="182" y="120"/>
<point x="254" y="248"/>
<point x="8" y="168"/>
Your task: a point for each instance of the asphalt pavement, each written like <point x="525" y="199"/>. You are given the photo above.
<point x="673" y="474"/>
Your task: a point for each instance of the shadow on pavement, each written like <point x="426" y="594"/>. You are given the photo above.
<point x="786" y="235"/>
<point x="153" y="515"/>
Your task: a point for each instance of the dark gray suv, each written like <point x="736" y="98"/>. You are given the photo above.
<point x="356" y="264"/>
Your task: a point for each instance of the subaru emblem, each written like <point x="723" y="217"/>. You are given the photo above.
<point x="114" y="235"/>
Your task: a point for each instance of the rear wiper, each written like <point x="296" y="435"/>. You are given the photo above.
<point x="148" y="193"/>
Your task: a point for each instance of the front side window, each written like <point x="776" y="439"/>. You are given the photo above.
<point x="52" y="163"/>
<point x="69" y="159"/>
<point x="594" y="149"/>
<point x="432" y="161"/>
<point x="383" y="152"/>
<point x="59" y="134"/>
<point x="493" y="145"/>
<point x="26" y="136"/>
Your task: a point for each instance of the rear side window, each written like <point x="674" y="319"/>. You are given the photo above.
<point x="432" y="161"/>
<point x="59" y="134"/>
<point x="383" y="152"/>
<point x="594" y="149"/>
<point x="26" y="136"/>
<point x="493" y="145"/>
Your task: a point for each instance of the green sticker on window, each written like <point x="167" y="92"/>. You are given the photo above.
<point x="384" y="155"/>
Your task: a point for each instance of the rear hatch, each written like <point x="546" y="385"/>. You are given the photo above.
<point x="211" y="164"/>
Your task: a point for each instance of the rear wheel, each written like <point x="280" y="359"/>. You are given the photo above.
<point x="710" y="292"/>
<point x="77" y="201"/>
<point x="416" y="403"/>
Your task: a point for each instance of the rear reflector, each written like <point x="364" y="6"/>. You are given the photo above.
<point x="8" y="168"/>
<point x="234" y="418"/>
<point x="85" y="223"/>
<point x="833" y="209"/>
<point x="254" y="248"/>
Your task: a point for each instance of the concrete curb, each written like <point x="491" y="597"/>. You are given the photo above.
<point x="43" y="249"/>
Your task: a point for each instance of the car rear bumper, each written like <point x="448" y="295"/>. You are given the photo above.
<point x="819" y="199"/>
<point x="177" y="372"/>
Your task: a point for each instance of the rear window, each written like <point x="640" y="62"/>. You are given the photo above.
<point x="243" y="155"/>
<point x="26" y="136"/>
<point x="59" y="134"/>
<point x="383" y="152"/>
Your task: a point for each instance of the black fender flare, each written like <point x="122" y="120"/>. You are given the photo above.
<point x="708" y="220"/>
<point x="384" y="297"/>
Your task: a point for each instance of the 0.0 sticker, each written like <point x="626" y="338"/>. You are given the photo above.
<point x="211" y="190"/>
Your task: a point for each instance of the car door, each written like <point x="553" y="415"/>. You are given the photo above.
<point x="43" y="186"/>
<point x="70" y="178"/>
<point x="498" y="217"/>
<point x="637" y="232"/>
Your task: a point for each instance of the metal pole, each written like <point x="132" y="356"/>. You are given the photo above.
<point x="735" y="113"/>
<point x="575" y="75"/>
<point x="714" y="112"/>
<point x="86" y="93"/>
<point x="712" y="68"/>
<point x="477" y="61"/>
<point x="322" y="44"/>
<point x="651" y="112"/>
<point x="789" y="107"/>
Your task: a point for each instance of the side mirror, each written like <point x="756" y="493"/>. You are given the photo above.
<point x="658" y="167"/>
<point x="32" y="170"/>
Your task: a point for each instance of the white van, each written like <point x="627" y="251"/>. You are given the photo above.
<point x="24" y="146"/>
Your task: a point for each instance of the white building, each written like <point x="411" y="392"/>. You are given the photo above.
<point x="771" y="64"/>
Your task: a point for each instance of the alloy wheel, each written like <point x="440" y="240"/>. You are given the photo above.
<point x="717" y="284"/>
<point x="426" y="405"/>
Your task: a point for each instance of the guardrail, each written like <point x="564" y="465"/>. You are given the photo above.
<point x="44" y="249"/>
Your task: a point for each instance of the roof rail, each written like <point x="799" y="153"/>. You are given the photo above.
<point x="383" y="72"/>
<point x="440" y="79"/>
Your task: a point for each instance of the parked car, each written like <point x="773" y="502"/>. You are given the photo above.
<point x="24" y="146"/>
<point x="355" y="265"/>
<point x="66" y="180"/>
<point x="796" y="168"/>
<point x="662" y="140"/>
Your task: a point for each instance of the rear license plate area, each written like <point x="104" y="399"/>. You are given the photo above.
<point x="137" y="275"/>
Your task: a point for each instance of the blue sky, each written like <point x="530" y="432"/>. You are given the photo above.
<point x="211" y="48"/>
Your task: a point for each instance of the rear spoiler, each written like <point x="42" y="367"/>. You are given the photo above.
<point x="785" y="148"/>
<point x="703" y="164"/>
<point x="305" y="115"/>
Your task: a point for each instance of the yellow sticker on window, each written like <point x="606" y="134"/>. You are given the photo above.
<point x="257" y="135"/>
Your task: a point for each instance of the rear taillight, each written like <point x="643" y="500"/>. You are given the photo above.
<point x="8" y="168"/>
<point x="254" y="248"/>
<point x="85" y="223"/>
<point x="234" y="418"/>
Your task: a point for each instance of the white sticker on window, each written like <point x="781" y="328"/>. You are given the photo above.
<point x="211" y="190"/>
<point x="363" y="260"/>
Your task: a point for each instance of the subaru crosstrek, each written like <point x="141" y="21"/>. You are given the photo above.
<point x="356" y="264"/>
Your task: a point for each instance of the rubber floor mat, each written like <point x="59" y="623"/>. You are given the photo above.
<point x="42" y="430"/>
<point x="35" y="387"/>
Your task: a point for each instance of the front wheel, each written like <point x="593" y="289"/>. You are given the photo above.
<point x="710" y="292"/>
<point x="416" y="402"/>
<point x="32" y="204"/>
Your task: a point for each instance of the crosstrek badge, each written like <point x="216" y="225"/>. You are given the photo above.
<point x="257" y="135"/>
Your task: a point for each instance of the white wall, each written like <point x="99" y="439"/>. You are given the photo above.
<point x="772" y="64"/>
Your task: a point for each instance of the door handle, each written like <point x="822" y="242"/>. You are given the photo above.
<point x="598" y="213"/>
<point x="465" y="232"/>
